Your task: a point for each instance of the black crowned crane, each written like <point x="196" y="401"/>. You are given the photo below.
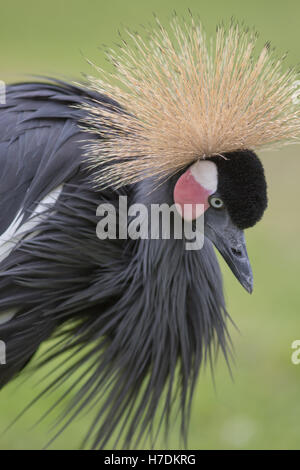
<point x="178" y="121"/>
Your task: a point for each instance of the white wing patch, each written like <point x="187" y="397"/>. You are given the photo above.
<point x="7" y="315"/>
<point x="16" y="231"/>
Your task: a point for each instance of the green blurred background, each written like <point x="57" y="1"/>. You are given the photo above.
<point x="260" y="407"/>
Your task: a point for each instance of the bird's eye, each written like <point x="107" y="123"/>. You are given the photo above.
<point x="216" y="202"/>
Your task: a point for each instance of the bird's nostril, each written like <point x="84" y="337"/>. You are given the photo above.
<point x="236" y="252"/>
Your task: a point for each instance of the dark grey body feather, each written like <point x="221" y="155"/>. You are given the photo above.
<point x="129" y="312"/>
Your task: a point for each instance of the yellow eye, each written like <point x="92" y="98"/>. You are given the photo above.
<point x="216" y="202"/>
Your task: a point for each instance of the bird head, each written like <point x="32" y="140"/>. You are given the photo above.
<point x="196" y="110"/>
<point x="231" y="190"/>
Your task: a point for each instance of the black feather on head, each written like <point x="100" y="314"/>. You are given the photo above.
<point x="242" y="186"/>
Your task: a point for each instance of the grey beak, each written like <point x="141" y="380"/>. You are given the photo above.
<point x="230" y="242"/>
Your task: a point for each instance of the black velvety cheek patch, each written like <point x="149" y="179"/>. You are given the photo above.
<point x="242" y="186"/>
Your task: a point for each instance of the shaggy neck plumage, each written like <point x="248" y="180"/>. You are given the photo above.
<point x="145" y="310"/>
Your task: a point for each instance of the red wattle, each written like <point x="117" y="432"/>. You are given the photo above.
<point x="188" y="191"/>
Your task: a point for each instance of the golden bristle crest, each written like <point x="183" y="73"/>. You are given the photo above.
<point x="184" y="98"/>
